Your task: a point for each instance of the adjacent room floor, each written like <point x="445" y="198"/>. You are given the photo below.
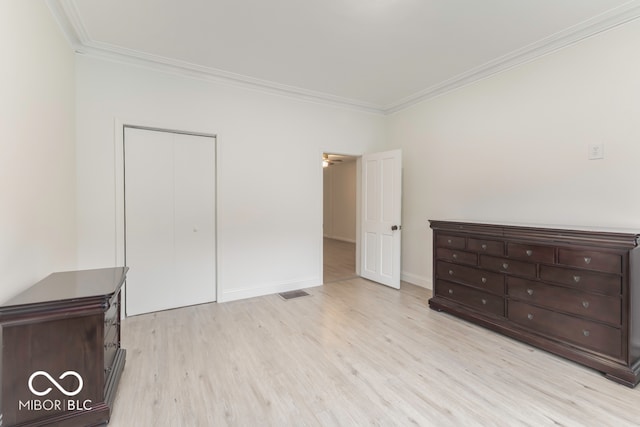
<point x="339" y="259"/>
<point x="351" y="353"/>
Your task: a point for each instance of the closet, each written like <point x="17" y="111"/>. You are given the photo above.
<point x="169" y="191"/>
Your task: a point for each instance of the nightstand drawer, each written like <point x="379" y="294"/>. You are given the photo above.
<point x="597" y="307"/>
<point x="471" y="297"/>
<point x="590" y="335"/>
<point x="485" y="280"/>
<point x="591" y="260"/>
<point x="110" y="347"/>
<point x="607" y="284"/>
<point x="111" y="317"/>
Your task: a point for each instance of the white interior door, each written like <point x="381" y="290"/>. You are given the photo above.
<point x="381" y="213"/>
<point x="169" y="220"/>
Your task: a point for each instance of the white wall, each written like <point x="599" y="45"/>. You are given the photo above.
<point x="340" y="181"/>
<point x="269" y="168"/>
<point x="509" y="148"/>
<point x="514" y="147"/>
<point x="37" y="160"/>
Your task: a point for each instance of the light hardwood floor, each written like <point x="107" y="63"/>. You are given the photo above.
<point x="339" y="259"/>
<point x="352" y="353"/>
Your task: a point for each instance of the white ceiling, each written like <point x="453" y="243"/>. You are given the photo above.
<point x="378" y="55"/>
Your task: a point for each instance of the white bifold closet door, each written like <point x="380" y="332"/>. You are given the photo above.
<point x="169" y="220"/>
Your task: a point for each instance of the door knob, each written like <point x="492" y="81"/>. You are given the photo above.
<point x="396" y="227"/>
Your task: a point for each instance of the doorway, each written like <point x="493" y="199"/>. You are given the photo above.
<point x="339" y="217"/>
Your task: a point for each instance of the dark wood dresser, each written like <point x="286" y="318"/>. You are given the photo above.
<point x="61" y="359"/>
<point x="575" y="293"/>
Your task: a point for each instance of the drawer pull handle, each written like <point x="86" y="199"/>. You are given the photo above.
<point x="587" y="260"/>
<point x="530" y="291"/>
<point x="455" y="256"/>
<point x="450" y="272"/>
<point x="585" y="304"/>
<point x="529" y="252"/>
<point x="585" y="333"/>
<point x="451" y="291"/>
<point x="484" y="301"/>
<point x="484" y="280"/>
<point x="449" y="241"/>
<point x="576" y="279"/>
<point x="530" y="316"/>
<point x="484" y="246"/>
<point x="505" y="265"/>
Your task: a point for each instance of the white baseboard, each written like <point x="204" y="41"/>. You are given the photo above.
<point x="267" y="289"/>
<point x="275" y="288"/>
<point x="342" y="239"/>
<point x="417" y="280"/>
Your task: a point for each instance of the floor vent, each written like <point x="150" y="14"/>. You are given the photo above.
<point x="293" y="294"/>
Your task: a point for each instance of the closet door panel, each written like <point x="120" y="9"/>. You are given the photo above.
<point x="149" y="221"/>
<point x="194" y="160"/>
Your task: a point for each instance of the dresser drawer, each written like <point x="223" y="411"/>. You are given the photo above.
<point x="505" y="265"/>
<point x="591" y="260"/>
<point x="531" y="253"/>
<point x="110" y="347"/>
<point x="486" y="280"/>
<point x="490" y="247"/>
<point x="607" y="284"/>
<point x="597" y="307"/>
<point x="111" y="317"/>
<point x="590" y="335"/>
<point x="457" y="256"/>
<point x="448" y="241"/>
<point x="471" y="297"/>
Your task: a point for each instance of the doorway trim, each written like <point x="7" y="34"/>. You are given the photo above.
<point x="120" y="222"/>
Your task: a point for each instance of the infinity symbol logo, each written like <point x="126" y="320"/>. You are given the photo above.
<point x="55" y="383"/>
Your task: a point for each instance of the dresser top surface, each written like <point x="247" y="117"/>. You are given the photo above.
<point x="71" y="285"/>
<point x="592" y="236"/>
<point x="549" y="227"/>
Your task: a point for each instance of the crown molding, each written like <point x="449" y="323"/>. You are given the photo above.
<point x="606" y="21"/>
<point x="68" y="18"/>
<point x="183" y="68"/>
<point x="66" y="14"/>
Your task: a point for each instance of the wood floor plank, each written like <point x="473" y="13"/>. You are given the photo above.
<point x="351" y="353"/>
